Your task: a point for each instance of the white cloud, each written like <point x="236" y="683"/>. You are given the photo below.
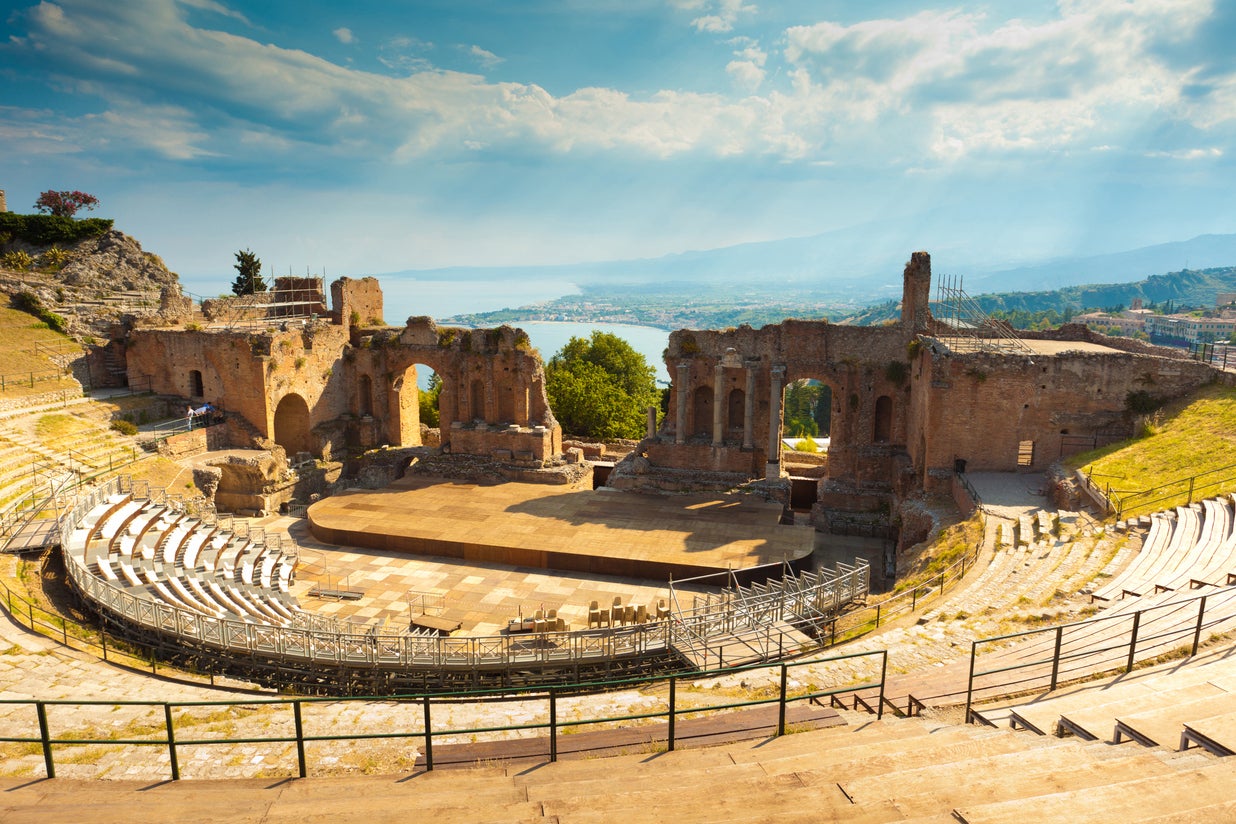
<point x="486" y="58"/>
<point x="1012" y="86"/>
<point x="217" y="8"/>
<point x="1212" y="153"/>
<point x="747" y="72"/>
<point x="721" y="15"/>
<point x="935" y="86"/>
<point x="344" y="35"/>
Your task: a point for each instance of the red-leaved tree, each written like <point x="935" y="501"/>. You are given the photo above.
<point x="65" y="204"/>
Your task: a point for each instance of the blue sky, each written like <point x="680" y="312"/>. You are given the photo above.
<point x="380" y="136"/>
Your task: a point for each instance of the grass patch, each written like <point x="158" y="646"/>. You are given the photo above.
<point x="954" y="542"/>
<point x="1185" y="439"/>
<point x="18" y="337"/>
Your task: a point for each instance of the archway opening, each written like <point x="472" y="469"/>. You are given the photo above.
<point x="806" y="423"/>
<point x="292" y="426"/>
<point x="196" y="389"/>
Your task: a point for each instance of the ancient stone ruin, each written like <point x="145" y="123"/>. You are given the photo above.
<point x="911" y="402"/>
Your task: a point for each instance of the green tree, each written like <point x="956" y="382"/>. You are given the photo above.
<point x="802" y="397"/>
<point x="429" y="401"/>
<point x="601" y="387"/>
<point x="248" y="274"/>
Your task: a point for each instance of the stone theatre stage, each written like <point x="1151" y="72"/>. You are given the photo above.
<point x="569" y="528"/>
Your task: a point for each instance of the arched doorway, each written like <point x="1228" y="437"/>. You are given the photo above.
<point x="292" y="425"/>
<point x="806" y="421"/>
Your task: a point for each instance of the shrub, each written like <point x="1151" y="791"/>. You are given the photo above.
<point x="28" y="301"/>
<point x="807" y="444"/>
<point x="54" y="258"/>
<point x="19" y="260"/>
<point x="124" y="427"/>
<point x="44" y="230"/>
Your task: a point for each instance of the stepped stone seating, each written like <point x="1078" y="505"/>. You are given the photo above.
<point x="160" y="553"/>
<point x="1195" y="548"/>
<point x="1092" y="710"/>
<point x="1216" y="734"/>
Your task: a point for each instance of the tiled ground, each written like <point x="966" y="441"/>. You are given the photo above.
<point x="481" y="597"/>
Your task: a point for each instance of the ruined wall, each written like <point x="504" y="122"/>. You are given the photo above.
<point x="715" y="372"/>
<point x="492" y="401"/>
<point x="356" y="302"/>
<point x="983" y="408"/>
<point x="263" y="377"/>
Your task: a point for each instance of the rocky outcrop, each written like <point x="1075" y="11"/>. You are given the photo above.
<point x="100" y="285"/>
<point x="115" y="262"/>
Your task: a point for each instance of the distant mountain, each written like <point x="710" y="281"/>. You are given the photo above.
<point x="1197" y="288"/>
<point x="1202" y="252"/>
<point x="1189" y="287"/>
<point x="847" y="262"/>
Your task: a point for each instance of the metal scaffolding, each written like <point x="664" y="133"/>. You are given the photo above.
<point x="970" y="329"/>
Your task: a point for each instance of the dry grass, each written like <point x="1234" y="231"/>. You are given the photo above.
<point x="1183" y="440"/>
<point x="19" y="332"/>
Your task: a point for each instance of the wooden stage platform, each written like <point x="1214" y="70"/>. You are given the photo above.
<point x="602" y="532"/>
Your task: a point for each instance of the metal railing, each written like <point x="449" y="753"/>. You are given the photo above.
<point x="1164" y="496"/>
<point x="46" y="717"/>
<point x="1042" y="659"/>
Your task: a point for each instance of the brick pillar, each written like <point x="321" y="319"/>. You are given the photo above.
<point x="718" y="405"/>
<point x="682" y="381"/>
<point x="773" y="471"/>
<point x="748" y="412"/>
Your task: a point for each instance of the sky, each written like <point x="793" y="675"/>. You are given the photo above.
<point x="377" y="136"/>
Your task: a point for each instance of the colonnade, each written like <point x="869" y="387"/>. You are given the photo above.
<point x="750" y="366"/>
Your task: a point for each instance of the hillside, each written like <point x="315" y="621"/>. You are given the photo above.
<point x="1195" y="438"/>
<point x="84" y="269"/>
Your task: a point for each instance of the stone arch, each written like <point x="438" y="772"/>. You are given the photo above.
<point x="364" y="396"/>
<point x="701" y="412"/>
<point x="882" y="429"/>
<point x="292" y="425"/>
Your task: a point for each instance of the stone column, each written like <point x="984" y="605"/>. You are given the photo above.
<point x="748" y="412"/>
<point x="682" y="381"/>
<point x="777" y="375"/>
<point x="652" y="422"/>
<point x="718" y="405"/>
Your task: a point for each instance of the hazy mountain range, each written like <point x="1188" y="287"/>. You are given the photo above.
<point x="834" y="262"/>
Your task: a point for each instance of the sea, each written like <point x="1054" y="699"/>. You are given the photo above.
<point x="405" y="297"/>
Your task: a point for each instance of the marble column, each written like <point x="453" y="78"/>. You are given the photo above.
<point x="652" y="422"/>
<point x="718" y="405"/>
<point x="777" y="375"/>
<point x="682" y="383"/>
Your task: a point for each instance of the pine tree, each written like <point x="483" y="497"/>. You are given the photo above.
<point x="248" y="274"/>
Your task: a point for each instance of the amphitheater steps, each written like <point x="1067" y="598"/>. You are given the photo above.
<point x="1063" y="767"/>
<point x="1124" y="801"/>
